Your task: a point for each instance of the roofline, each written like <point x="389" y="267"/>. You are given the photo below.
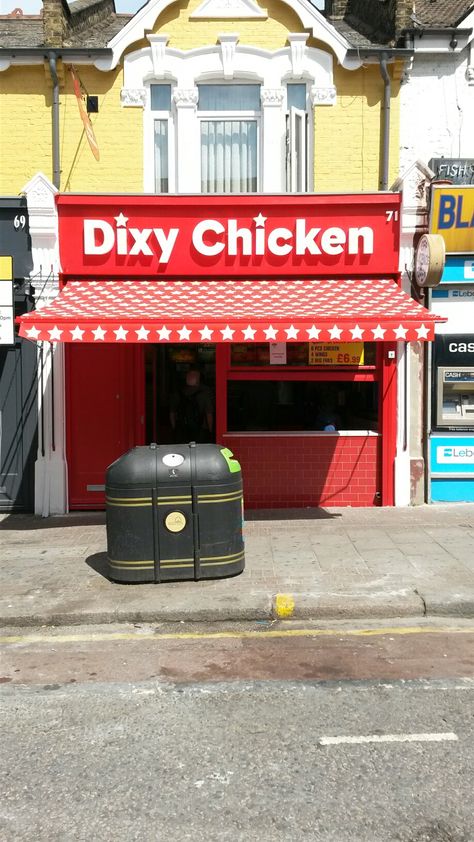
<point x="377" y="52"/>
<point x="438" y="30"/>
<point x="13" y="52"/>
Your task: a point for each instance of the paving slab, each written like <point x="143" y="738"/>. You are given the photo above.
<point x="312" y="564"/>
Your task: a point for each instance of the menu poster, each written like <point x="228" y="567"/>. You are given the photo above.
<point x="344" y="353"/>
<point x="277" y="353"/>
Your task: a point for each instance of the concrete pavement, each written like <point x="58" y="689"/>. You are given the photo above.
<point x="325" y="564"/>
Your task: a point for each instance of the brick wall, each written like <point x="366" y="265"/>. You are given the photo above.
<point x="297" y="471"/>
<point x="347" y="135"/>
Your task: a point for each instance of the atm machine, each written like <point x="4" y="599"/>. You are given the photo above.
<point x="452" y="436"/>
<point x="455" y="397"/>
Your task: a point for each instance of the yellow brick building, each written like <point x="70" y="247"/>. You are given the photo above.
<point x="344" y="106"/>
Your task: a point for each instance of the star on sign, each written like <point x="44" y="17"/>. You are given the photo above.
<point x="227" y="333"/>
<point x="291" y="332"/>
<point x="184" y="333"/>
<point x="379" y="332"/>
<point x="33" y="333"/>
<point x="142" y="333"/>
<point x="206" y="334"/>
<point x="249" y="333"/>
<point x="335" y="332"/>
<point x="77" y="333"/>
<point x="313" y="332"/>
<point x="99" y="334"/>
<point x="164" y="333"/>
<point x="270" y="333"/>
<point x="357" y="332"/>
<point x="260" y="220"/>
<point x="55" y="334"/>
<point x="401" y="332"/>
<point x="422" y="332"/>
<point x="121" y="220"/>
<point x="121" y="334"/>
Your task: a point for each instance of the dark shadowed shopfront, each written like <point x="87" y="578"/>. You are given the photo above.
<point x="290" y="309"/>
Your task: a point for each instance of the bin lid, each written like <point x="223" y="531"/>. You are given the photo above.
<point x="155" y="465"/>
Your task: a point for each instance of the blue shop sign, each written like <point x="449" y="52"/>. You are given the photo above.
<point x="452" y="455"/>
<point x="458" y="270"/>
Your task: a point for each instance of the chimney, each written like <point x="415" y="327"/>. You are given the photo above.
<point x="338" y="9"/>
<point x="403" y="11"/>
<point x="56" y="17"/>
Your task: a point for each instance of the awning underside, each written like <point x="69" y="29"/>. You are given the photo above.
<point x="230" y="311"/>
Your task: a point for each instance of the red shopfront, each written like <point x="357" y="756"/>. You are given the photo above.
<point x="290" y="307"/>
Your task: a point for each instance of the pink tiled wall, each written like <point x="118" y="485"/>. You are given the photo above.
<point x="297" y="471"/>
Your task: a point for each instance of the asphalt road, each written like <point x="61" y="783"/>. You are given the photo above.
<point x="251" y="734"/>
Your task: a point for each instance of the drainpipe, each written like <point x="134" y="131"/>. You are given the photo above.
<point x="385" y="121"/>
<point x="55" y="119"/>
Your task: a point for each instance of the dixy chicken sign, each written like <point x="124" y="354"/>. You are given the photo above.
<point x="229" y="236"/>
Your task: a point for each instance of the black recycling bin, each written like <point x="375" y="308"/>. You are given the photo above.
<point x="174" y="512"/>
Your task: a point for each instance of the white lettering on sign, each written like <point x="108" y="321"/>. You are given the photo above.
<point x="461" y="347"/>
<point x="455" y="455"/>
<point x="100" y="237"/>
<point x="469" y="269"/>
<point x="211" y="238"/>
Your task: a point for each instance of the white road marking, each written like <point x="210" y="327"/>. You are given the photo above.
<point x="390" y="738"/>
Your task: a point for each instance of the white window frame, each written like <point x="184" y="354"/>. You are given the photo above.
<point x="185" y="70"/>
<point x="298" y="158"/>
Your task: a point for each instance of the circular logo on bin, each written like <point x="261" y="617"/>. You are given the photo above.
<point x="173" y="460"/>
<point x="175" y="521"/>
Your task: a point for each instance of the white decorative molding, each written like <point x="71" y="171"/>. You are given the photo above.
<point x="272" y="97"/>
<point x="229" y="10"/>
<point x="414" y="186"/>
<point x="158" y="50"/>
<point x="297" y="41"/>
<point x="323" y="96"/>
<point x="310" y="18"/>
<point x="133" y="97"/>
<point x="186" y="97"/>
<point x="43" y="223"/>
<point x="228" y="44"/>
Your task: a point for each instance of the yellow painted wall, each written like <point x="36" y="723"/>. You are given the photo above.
<point x="25" y="134"/>
<point x="347" y="135"/>
<point x="270" y="34"/>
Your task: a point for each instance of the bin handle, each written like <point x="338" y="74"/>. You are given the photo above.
<point x="195" y="516"/>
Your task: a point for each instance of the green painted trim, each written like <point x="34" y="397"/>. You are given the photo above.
<point x="234" y="465"/>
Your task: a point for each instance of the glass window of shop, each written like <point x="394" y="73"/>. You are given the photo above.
<point x="312" y="387"/>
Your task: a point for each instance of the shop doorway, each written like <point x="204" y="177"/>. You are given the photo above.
<point x="105" y="415"/>
<point x="180" y="389"/>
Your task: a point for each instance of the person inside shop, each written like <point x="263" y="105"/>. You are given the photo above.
<point x="191" y="410"/>
<point x="327" y="417"/>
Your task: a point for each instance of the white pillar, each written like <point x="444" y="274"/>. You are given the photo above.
<point x="273" y="148"/>
<point x="188" y="163"/>
<point x="50" y="466"/>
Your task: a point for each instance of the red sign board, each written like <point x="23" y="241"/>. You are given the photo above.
<point x="230" y="236"/>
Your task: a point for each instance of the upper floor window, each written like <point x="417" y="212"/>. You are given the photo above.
<point x="160" y="105"/>
<point x="229" y="142"/>
<point x="296" y="138"/>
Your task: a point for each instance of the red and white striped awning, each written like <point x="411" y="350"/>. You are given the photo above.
<point x="230" y="311"/>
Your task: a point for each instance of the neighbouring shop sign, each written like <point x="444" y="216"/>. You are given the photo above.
<point x="452" y="216"/>
<point x="7" y="334"/>
<point x="346" y="353"/>
<point x="457" y="170"/>
<point x="458" y="270"/>
<point x="229" y="236"/>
